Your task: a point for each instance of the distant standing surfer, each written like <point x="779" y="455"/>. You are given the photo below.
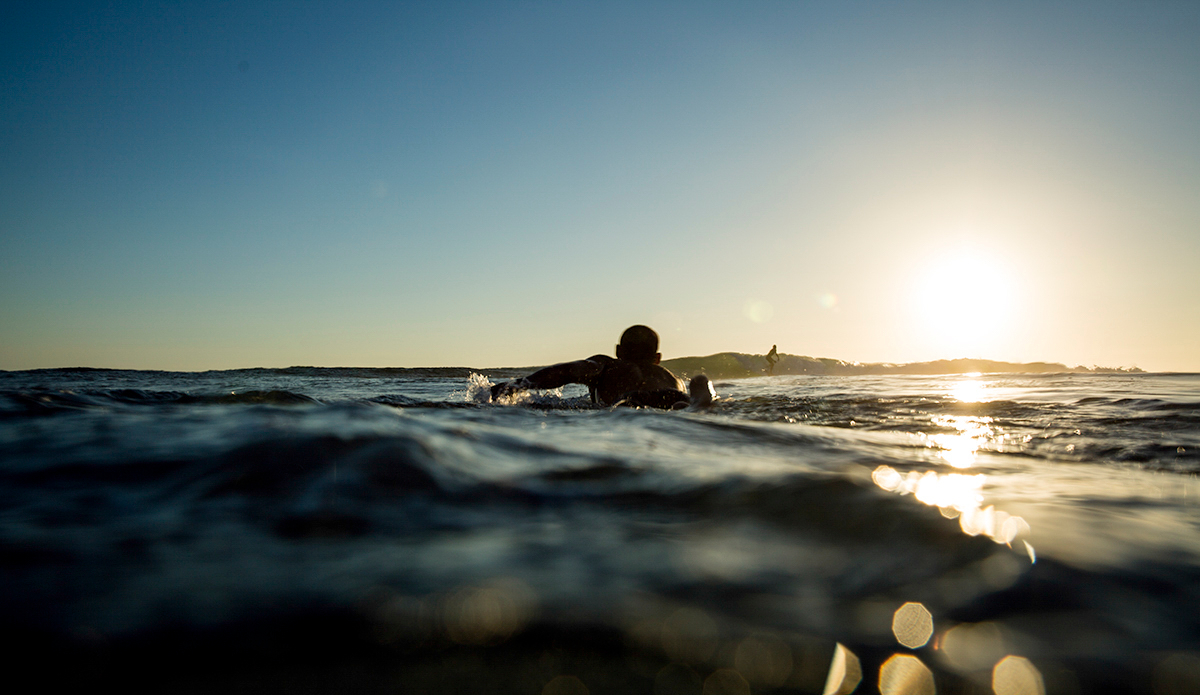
<point x="772" y="358"/>
<point x="634" y="377"/>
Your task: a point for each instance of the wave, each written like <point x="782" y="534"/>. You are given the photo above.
<point x="47" y="402"/>
<point x="326" y="372"/>
<point x="436" y="524"/>
<point x="353" y="522"/>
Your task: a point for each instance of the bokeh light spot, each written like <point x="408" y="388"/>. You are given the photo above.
<point x="1016" y="675"/>
<point x="904" y="674"/>
<point x="764" y="660"/>
<point x="845" y="672"/>
<point x="1177" y="674"/>
<point x="887" y="478"/>
<point x="972" y="646"/>
<point x="759" y="311"/>
<point x="488" y="614"/>
<point x="912" y="624"/>
<point x="677" y="679"/>
<point x="565" y="685"/>
<point x="726" y="681"/>
<point x="689" y="635"/>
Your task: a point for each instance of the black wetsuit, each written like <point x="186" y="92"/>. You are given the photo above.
<point x="665" y="398"/>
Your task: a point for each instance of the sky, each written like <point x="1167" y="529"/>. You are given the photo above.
<point x="215" y="185"/>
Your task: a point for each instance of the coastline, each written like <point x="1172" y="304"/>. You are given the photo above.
<point x="735" y="365"/>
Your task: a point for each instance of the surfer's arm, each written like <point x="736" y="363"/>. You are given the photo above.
<point x="584" y="372"/>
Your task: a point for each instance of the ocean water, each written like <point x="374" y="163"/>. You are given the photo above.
<point x="391" y="530"/>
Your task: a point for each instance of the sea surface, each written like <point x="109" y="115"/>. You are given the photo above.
<point x="392" y="530"/>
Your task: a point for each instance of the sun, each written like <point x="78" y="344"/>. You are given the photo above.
<point x="963" y="303"/>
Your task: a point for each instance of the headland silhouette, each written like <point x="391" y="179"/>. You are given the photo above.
<point x="738" y="365"/>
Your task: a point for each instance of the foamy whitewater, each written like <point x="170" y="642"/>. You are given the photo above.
<point x="391" y="530"/>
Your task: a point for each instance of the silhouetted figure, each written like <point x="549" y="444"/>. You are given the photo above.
<point x="772" y="358"/>
<point x="634" y="377"/>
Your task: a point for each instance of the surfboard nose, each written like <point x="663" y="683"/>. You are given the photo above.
<point x="701" y="391"/>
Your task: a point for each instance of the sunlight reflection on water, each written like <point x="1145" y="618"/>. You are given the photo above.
<point x="959" y="449"/>
<point x="956" y="495"/>
<point x="969" y="390"/>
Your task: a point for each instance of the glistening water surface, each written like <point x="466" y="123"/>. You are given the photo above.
<point x="961" y="533"/>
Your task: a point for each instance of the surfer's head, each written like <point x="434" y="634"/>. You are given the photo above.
<point x="639" y="344"/>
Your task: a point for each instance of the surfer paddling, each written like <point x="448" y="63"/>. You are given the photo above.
<point x="634" y="377"/>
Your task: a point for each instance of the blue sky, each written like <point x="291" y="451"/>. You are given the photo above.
<point x="216" y="185"/>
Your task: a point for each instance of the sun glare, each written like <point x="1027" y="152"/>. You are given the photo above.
<point x="969" y="389"/>
<point x="963" y="303"/>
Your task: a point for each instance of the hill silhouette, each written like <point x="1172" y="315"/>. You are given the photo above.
<point x="738" y="365"/>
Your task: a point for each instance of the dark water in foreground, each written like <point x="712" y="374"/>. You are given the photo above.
<point x="359" y="530"/>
